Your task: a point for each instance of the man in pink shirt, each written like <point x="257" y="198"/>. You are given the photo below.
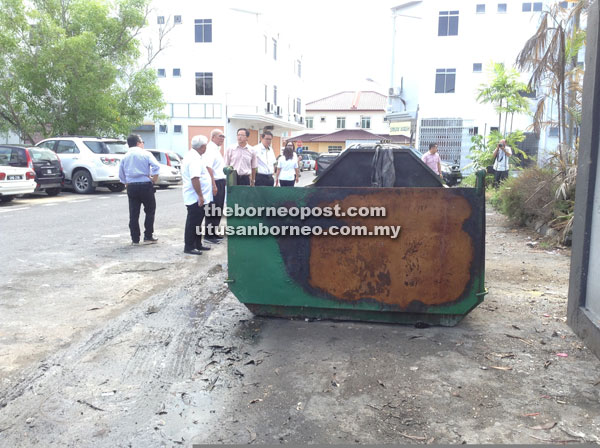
<point x="432" y="160"/>
<point x="242" y="158"/>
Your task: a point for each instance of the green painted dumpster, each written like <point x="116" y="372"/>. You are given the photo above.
<point x="417" y="256"/>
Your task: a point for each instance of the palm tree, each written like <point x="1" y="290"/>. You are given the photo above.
<point x="550" y="55"/>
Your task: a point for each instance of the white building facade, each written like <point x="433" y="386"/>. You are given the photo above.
<point x="348" y="110"/>
<point x="223" y="67"/>
<point x="443" y="51"/>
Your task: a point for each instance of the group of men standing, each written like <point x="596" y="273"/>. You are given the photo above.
<point x="203" y="179"/>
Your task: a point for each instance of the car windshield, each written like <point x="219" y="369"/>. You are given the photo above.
<point x="117" y="147"/>
<point x="97" y="147"/>
<point x="42" y="155"/>
<point x="174" y="157"/>
<point x="12" y="157"/>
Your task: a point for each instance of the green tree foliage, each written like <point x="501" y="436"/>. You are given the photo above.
<point x="504" y="92"/>
<point x="71" y="67"/>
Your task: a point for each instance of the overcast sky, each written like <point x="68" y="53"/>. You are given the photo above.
<point x="342" y="42"/>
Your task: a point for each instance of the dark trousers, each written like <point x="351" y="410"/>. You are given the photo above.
<point x="243" y="180"/>
<point x="264" y="180"/>
<point x="215" y="219"/>
<point x="138" y="194"/>
<point x="195" y="216"/>
<point x="499" y="177"/>
<point x="286" y="183"/>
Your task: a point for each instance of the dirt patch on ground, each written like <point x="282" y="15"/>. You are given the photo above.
<point x="192" y="365"/>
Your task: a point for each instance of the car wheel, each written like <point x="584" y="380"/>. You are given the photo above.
<point x="6" y="198"/>
<point x="82" y="182"/>
<point x="53" y="191"/>
<point x="116" y="188"/>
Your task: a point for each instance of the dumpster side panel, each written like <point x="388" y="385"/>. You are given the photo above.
<point x="432" y="272"/>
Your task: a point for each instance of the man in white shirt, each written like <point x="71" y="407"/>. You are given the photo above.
<point x="214" y="159"/>
<point x="502" y="155"/>
<point x="265" y="161"/>
<point x="197" y="191"/>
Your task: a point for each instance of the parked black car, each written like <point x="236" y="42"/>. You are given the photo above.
<point x="324" y="160"/>
<point x="49" y="176"/>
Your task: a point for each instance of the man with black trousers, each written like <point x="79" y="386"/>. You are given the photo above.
<point x="214" y="159"/>
<point x="138" y="171"/>
<point x="265" y="161"/>
<point x="197" y="191"/>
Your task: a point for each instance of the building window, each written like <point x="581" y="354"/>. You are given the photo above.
<point x="309" y="122"/>
<point x="204" y="83"/>
<point x="176" y="72"/>
<point x="537" y="6"/>
<point x="203" y="28"/>
<point x="266" y="94"/>
<point x="445" y="79"/>
<point x="334" y="148"/>
<point x="298" y="106"/>
<point x="448" y="23"/>
<point x="299" y="68"/>
<point x="480" y="9"/>
<point x="160" y="20"/>
<point x="365" y="122"/>
<point x="275" y="95"/>
<point x="477" y="67"/>
<point x="563" y="4"/>
<point x="274" y="49"/>
<point x="553" y="131"/>
<point x="322" y="119"/>
<point x="502" y="7"/>
<point x="177" y="20"/>
<point x="161" y="72"/>
<point x="341" y="123"/>
<point x="162" y="129"/>
<point x="177" y="129"/>
<point x="526" y="7"/>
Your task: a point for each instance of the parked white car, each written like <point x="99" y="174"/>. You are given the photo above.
<point x="14" y="181"/>
<point x="89" y="162"/>
<point x="170" y="167"/>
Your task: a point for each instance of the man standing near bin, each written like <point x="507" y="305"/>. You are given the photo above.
<point x="214" y="159"/>
<point x="197" y="192"/>
<point x="139" y="171"/>
<point x="243" y="158"/>
<point x="265" y="161"/>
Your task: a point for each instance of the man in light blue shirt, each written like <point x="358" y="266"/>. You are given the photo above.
<point x="139" y="171"/>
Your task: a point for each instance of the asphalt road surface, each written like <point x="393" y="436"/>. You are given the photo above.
<point x="106" y="344"/>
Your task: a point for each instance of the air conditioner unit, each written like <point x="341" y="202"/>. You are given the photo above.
<point x="357" y="124"/>
<point x="278" y="111"/>
<point x="391" y="91"/>
<point x="269" y="107"/>
<point x="296" y="118"/>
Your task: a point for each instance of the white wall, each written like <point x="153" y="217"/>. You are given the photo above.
<point x="378" y="125"/>
<point x="236" y="57"/>
<point x="482" y="38"/>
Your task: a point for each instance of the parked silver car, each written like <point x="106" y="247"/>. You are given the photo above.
<point x="170" y="167"/>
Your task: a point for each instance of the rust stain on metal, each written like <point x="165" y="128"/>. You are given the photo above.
<point x="429" y="262"/>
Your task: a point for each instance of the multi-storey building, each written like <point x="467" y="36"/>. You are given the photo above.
<point x="224" y="68"/>
<point x="442" y="50"/>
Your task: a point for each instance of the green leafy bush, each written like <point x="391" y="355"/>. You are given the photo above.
<point x="529" y="197"/>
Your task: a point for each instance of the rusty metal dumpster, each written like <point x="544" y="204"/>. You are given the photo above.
<point x="431" y="272"/>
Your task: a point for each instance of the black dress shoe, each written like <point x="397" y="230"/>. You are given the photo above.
<point x="204" y="248"/>
<point x="150" y="240"/>
<point x="212" y="239"/>
<point x="192" y="252"/>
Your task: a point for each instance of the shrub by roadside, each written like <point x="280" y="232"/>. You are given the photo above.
<point x="531" y="199"/>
